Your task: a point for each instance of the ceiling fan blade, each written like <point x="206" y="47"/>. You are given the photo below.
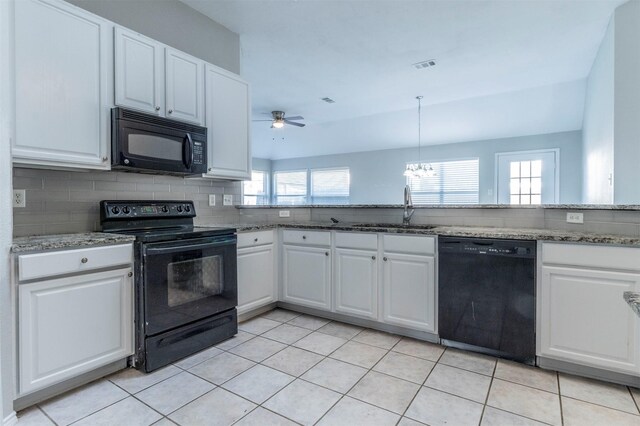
<point x="293" y="123"/>
<point x="297" y="117"/>
<point x="261" y="120"/>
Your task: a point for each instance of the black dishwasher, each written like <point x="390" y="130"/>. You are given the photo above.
<point x="486" y="296"/>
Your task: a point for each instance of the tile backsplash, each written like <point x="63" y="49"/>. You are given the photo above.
<point x="67" y="201"/>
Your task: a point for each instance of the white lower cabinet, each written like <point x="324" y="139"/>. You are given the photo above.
<point x="256" y="285"/>
<point x="69" y="326"/>
<point x="306" y="276"/>
<point x="356" y="282"/>
<point x="408" y="290"/>
<point x="583" y="317"/>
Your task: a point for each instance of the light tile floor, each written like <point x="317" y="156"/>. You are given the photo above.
<point x="284" y="368"/>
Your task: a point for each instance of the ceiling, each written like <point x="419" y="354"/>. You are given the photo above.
<point x="504" y="68"/>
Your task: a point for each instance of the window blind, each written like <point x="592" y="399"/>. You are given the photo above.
<point x="254" y="192"/>
<point x="290" y="187"/>
<point x="455" y="182"/>
<point x="330" y="186"/>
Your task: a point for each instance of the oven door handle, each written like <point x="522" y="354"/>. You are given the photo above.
<point x="187" y="151"/>
<point x="187" y="247"/>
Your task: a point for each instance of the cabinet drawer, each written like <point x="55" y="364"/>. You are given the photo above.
<point x="357" y="240"/>
<point x="31" y="266"/>
<point x="308" y="238"/>
<point x="591" y="256"/>
<point x="251" y="239"/>
<point x="409" y="244"/>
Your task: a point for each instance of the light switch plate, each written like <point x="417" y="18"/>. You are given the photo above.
<point x="227" y="200"/>
<point x="284" y="213"/>
<point x="212" y="200"/>
<point x="19" y="198"/>
<point x="575" y="218"/>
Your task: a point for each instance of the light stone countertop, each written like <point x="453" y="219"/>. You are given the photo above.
<point x="63" y="241"/>
<point x="454" y="231"/>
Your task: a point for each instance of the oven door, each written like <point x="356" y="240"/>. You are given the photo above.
<point x="188" y="280"/>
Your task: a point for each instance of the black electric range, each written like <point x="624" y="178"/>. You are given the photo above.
<point x="186" y="289"/>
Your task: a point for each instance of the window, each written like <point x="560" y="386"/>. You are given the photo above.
<point x="525" y="182"/>
<point x="330" y="186"/>
<point x="254" y="191"/>
<point x="290" y="187"/>
<point x="455" y="182"/>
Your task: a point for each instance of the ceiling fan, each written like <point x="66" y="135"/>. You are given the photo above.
<point x="278" y="120"/>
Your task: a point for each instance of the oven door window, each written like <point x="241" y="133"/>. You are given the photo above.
<point x="186" y="281"/>
<point x="194" y="279"/>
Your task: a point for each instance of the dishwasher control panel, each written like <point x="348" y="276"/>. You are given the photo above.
<point x="496" y="247"/>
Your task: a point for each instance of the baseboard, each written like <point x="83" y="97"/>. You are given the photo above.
<point x="10" y="420"/>
<point x="591" y="372"/>
<point x="255" y="312"/>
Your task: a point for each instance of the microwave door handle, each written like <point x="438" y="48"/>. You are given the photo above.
<point x="187" y="151"/>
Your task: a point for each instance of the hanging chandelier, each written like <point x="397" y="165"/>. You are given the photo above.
<point x="419" y="169"/>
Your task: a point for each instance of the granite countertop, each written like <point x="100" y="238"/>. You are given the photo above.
<point x="632" y="207"/>
<point x="455" y="231"/>
<point x="633" y="299"/>
<point x="62" y="241"/>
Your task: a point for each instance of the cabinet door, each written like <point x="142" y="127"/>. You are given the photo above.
<point x="228" y="112"/>
<point x="69" y="326"/>
<point x="356" y="282"/>
<point x="307" y="276"/>
<point x="139" y="72"/>
<point x="584" y="319"/>
<point x="255" y="277"/>
<point x="63" y="60"/>
<point x="409" y="291"/>
<point x="184" y="87"/>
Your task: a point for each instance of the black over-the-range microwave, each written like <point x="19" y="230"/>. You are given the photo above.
<point x="150" y="144"/>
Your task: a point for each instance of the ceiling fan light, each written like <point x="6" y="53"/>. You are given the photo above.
<point x="278" y="124"/>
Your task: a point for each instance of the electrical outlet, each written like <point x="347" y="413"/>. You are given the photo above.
<point x="284" y="213"/>
<point x="212" y="200"/>
<point x="19" y="198"/>
<point x="227" y="200"/>
<point x="575" y="218"/>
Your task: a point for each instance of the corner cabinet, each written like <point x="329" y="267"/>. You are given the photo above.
<point x="583" y="318"/>
<point x="256" y="273"/>
<point x="64" y="89"/>
<point x="75" y="313"/>
<point x="157" y="79"/>
<point x="306" y="268"/>
<point x="408" y="282"/>
<point x="228" y="118"/>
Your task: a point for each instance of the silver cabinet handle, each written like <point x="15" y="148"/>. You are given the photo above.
<point x="157" y="108"/>
<point x="130" y="274"/>
<point x="170" y="111"/>
<point x="84" y="260"/>
<point x="210" y="169"/>
<point x="304" y="237"/>
<point x="326" y="253"/>
<point x="385" y="259"/>
<point x="255" y="240"/>
<point x="373" y="258"/>
<point x="105" y="158"/>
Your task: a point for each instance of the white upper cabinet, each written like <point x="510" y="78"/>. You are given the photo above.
<point x="139" y="75"/>
<point x="184" y="86"/>
<point x="63" y="63"/>
<point x="228" y="116"/>
<point x="157" y="79"/>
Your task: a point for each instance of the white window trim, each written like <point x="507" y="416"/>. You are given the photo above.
<point x="555" y="151"/>
<point x="267" y="186"/>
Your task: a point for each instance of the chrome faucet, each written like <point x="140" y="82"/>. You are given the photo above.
<point x="408" y="206"/>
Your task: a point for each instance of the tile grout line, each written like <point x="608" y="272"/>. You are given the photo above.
<point x="486" y="399"/>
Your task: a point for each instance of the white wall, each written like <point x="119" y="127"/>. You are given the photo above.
<point x="6" y="132"/>
<point x="376" y="176"/>
<point x="175" y="24"/>
<point x="597" y="131"/>
<point x="627" y="104"/>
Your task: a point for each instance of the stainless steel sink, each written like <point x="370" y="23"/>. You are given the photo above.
<point x="392" y="225"/>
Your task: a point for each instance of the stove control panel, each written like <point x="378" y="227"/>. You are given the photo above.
<point x="110" y="210"/>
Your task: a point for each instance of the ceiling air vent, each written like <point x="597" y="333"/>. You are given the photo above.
<point x="328" y="100"/>
<point x="424" y="64"/>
